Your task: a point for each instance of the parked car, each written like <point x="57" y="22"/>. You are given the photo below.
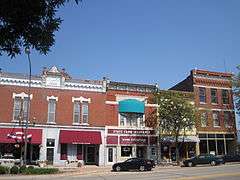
<point x="231" y="158"/>
<point x="134" y="164"/>
<point x="203" y="159"/>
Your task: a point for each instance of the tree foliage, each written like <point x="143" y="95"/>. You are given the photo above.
<point x="236" y="84"/>
<point x="176" y="114"/>
<point x="28" y="23"/>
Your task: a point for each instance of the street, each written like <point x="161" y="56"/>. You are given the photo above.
<point x="229" y="171"/>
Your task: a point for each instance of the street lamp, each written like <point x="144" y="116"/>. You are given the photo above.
<point x="27" y="51"/>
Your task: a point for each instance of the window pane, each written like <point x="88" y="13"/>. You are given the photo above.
<point x="16" y="108"/>
<point x="204" y="119"/>
<point x="225" y="97"/>
<point x="76" y="112"/>
<point x="122" y="120"/>
<point x="227" y="119"/>
<point x="216" y="121"/>
<point x="51" y="110"/>
<point x="202" y="94"/>
<point x="214" y="96"/>
<point x="126" y="151"/>
<point x="84" y="113"/>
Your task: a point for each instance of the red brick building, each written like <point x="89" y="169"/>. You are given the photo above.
<point x="215" y="123"/>
<point x="73" y="119"/>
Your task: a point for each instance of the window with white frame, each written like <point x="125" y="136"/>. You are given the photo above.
<point x="20" y="108"/>
<point x="51" y="110"/>
<point x="80" y="112"/>
<point x="216" y="119"/>
<point x="132" y="120"/>
<point x="76" y="112"/>
<point x="85" y="113"/>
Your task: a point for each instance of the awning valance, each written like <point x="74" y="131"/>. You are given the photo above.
<point x="131" y="106"/>
<point x="80" y="137"/>
<point x="16" y="135"/>
<point x="181" y="139"/>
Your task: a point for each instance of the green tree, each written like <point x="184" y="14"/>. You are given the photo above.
<point x="176" y="115"/>
<point x="236" y="84"/>
<point x="28" y="23"/>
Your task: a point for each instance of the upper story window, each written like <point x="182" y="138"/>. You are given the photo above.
<point x="80" y="110"/>
<point x="225" y="96"/>
<point x="204" y="119"/>
<point x="76" y="112"/>
<point x="227" y="119"/>
<point x="202" y="95"/>
<point x="85" y="113"/>
<point x="52" y="108"/>
<point x="132" y="120"/>
<point x="214" y="98"/>
<point x="216" y="119"/>
<point x="20" y="106"/>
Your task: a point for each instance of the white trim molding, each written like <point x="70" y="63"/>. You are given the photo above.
<point x="52" y="97"/>
<point x="152" y="105"/>
<point x="213" y="87"/>
<point x="111" y="102"/>
<point x="22" y="95"/>
<point x="81" y="99"/>
<point x="120" y="97"/>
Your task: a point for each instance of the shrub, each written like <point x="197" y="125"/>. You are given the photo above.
<point x="30" y="167"/>
<point x="14" y="170"/>
<point x="41" y="171"/>
<point x="4" y="170"/>
<point x="22" y="169"/>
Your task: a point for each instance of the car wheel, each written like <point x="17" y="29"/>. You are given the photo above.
<point x="213" y="163"/>
<point x="190" y="164"/>
<point x="141" y="168"/>
<point x="118" y="168"/>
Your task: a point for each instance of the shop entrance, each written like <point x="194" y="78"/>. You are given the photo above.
<point x="50" y="153"/>
<point x="91" y="154"/>
<point x="141" y="151"/>
<point x="111" y="155"/>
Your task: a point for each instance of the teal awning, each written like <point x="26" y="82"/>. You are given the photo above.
<point x="131" y="106"/>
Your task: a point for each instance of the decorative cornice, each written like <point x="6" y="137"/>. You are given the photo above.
<point x="22" y="95"/>
<point x="52" y="97"/>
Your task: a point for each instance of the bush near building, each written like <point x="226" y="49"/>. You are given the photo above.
<point x="27" y="170"/>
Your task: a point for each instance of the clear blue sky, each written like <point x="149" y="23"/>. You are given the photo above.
<point x="142" y="41"/>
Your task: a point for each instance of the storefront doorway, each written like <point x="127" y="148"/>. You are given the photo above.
<point x="91" y="154"/>
<point x="111" y="155"/>
<point x="141" y="151"/>
<point x="50" y="153"/>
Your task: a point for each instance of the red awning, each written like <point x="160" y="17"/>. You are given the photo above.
<point x="80" y="137"/>
<point x="13" y="135"/>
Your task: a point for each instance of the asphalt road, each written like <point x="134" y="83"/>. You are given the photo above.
<point x="223" y="172"/>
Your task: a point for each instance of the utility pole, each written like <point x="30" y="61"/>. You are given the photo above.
<point x="27" y="51"/>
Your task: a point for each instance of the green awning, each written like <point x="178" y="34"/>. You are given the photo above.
<point x="131" y="106"/>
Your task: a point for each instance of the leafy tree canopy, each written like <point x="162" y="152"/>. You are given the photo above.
<point x="28" y="23"/>
<point x="176" y="111"/>
<point x="236" y="91"/>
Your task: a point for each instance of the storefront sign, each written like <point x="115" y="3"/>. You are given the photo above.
<point x="130" y="131"/>
<point x="112" y="140"/>
<point x="134" y="140"/>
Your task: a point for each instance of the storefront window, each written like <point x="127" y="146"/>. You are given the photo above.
<point x="126" y="151"/>
<point x="63" y="152"/>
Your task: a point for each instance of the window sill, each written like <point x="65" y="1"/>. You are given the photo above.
<point x="51" y="123"/>
<point x="228" y="126"/>
<point x="215" y="104"/>
<point x="202" y="103"/>
<point x="80" y="124"/>
<point x="216" y="126"/>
